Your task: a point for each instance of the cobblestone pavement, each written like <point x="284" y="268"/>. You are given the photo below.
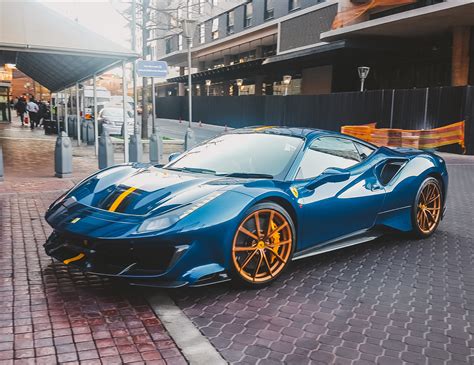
<point x="52" y="313"/>
<point x="391" y="301"/>
<point x="29" y="161"/>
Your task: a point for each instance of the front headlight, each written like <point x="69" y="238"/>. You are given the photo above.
<point x="167" y="219"/>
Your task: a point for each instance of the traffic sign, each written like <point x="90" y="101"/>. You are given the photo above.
<point x="151" y="68"/>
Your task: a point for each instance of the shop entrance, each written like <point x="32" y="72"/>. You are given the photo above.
<point x="5" y="113"/>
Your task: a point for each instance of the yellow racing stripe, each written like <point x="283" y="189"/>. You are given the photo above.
<point x="120" y="198"/>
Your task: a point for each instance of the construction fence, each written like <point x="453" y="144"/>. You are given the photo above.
<point x="401" y="109"/>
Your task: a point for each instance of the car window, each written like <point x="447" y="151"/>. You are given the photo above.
<point x="364" y="151"/>
<point x="327" y="152"/>
<point x="257" y="153"/>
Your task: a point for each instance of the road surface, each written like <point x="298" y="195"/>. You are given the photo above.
<point x="173" y="129"/>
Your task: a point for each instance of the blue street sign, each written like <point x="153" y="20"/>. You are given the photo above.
<point x="151" y="68"/>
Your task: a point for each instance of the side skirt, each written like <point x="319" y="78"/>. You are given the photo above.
<point x="338" y="243"/>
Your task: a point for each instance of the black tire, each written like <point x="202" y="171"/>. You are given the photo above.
<point x="272" y="250"/>
<point x="432" y="220"/>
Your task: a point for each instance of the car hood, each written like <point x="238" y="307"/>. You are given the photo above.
<point x="142" y="190"/>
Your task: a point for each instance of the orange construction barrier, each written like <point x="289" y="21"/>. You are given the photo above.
<point x="360" y="131"/>
<point x="420" y="139"/>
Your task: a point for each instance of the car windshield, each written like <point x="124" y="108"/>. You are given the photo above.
<point x="241" y="154"/>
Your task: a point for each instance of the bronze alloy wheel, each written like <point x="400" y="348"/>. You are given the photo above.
<point x="428" y="210"/>
<point x="262" y="246"/>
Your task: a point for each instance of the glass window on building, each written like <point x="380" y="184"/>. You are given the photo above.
<point x="230" y="22"/>
<point x="168" y="45"/>
<point x="202" y="33"/>
<point x="293" y="5"/>
<point x="215" y="28"/>
<point x="180" y="42"/>
<point x="269" y="9"/>
<point x="294" y="88"/>
<point x="173" y="21"/>
<point x="248" y="14"/>
<point x="197" y="7"/>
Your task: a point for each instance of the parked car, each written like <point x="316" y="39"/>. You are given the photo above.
<point x="243" y="205"/>
<point x="111" y="119"/>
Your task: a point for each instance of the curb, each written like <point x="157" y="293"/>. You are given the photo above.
<point x="194" y="346"/>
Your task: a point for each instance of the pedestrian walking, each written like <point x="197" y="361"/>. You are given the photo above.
<point x="43" y="112"/>
<point x="20" y="108"/>
<point x="33" y="111"/>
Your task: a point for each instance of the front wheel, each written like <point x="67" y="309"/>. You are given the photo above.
<point x="263" y="245"/>
<point x="427" y="208"/>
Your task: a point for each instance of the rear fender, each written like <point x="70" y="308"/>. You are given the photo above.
<point x="401" y="192"/>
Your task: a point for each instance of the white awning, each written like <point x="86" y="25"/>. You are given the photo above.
<point x="53" y="49"/>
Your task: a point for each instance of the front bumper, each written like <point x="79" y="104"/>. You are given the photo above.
<point x="142" y="263"/>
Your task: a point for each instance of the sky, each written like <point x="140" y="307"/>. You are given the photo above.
<point x="100" y="16"/>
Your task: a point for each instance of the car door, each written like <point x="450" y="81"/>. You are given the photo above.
<point x="338" y="209"/>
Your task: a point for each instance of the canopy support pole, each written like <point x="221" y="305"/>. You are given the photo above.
<point x="153" y="101"/>
<point x="58" y="112"/>
<point x="78" y="117"/>
<point x="125" y="129"/>
<point x="66" y="111"/>
<point x="96" y="125"/>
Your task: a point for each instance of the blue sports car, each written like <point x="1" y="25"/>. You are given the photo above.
<point x="243" y="205"/>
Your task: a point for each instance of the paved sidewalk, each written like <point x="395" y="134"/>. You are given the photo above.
<point x="391" y="301"/>
<point x="52" y="313"/>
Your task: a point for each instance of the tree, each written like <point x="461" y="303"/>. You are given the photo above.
<point x="154" y="17"/>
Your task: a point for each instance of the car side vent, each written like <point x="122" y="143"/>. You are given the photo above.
<point x="389" y="170"/>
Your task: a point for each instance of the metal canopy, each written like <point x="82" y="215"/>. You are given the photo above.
<point x="52" y="49"/>
<point x="225" y="72"/>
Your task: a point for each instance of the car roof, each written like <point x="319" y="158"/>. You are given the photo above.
<point x="286" y="131"/>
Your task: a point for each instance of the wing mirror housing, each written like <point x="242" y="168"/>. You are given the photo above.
<point x="173" y="156"/>
<point x="330" y="175"/>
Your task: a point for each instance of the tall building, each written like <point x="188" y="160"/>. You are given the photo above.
<point x="250" y="47"/>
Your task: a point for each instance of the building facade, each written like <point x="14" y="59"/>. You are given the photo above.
<point x="251" y="47"/>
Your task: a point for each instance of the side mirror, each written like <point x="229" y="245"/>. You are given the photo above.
<point x="331" y="174"/>
<point x="174" y="156"/>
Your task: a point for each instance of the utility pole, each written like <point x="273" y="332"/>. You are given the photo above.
<point x="136" y="147"/>
<point x="134" y="49"/>
<point x="145" y="19"/>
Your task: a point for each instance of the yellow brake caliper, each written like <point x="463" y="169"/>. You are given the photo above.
<point x="275" y="240"/>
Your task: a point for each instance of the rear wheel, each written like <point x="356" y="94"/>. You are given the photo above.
<point x="263" y="245"/>
<point x="427" y="208"/>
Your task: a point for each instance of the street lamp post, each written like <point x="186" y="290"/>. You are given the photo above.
<point x="208" y="85"/>
<point x="189" y="27"/>
<point x="239" y="84"/>
<point x="363" y="73"/>
<point x="286" y="82"/>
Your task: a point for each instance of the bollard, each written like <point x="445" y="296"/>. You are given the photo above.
<point x="156" y="148"/>
<point x="90" y="133"/>
<point x="83" y="130"/>
<point x="70" y="126"/>
<point x="1" y="164"/>
<point x="63" y="156"/>
<point x="106" y="151"/>
<point x="189" y="139"/>
<point x="135" y="148"/>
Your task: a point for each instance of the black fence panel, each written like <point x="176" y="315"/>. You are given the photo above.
<point x="469" y="119"/>
<point x="405" y="109"/>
